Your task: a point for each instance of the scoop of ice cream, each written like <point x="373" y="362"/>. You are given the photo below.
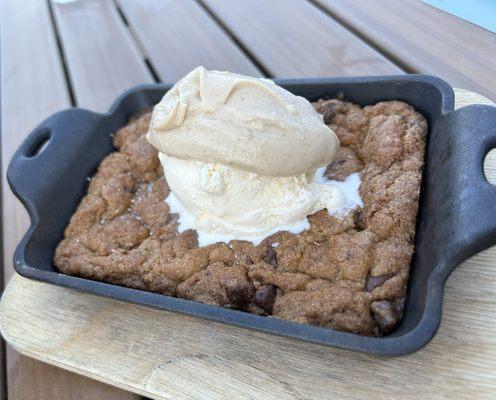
<point x="223" y="203"/>
<point x="246" y="123"/>
<point x="240" y="156"/>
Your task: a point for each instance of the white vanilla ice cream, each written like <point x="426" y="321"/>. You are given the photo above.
<point x="244" y="158"/>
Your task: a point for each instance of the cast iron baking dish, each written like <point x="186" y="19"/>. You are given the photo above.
<point x="457" y="215"/>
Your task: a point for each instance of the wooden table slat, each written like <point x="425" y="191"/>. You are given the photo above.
<point x="102" y="59"/>
<point x="292" y="38"/>
<point x="177" y="36"/>
<point x="425" y="39"/>
<point x="33" y="87"/>
<point x="166" y="355"/>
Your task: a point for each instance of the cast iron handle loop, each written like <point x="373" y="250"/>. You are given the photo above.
<point x="469" y="215"/>
<point x="57" y="136"/>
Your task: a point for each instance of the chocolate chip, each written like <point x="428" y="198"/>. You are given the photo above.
<point x="360" y="221"/>
<point x="328" y="111"/>
<point x="240" y="295"/>
<point x="265" y="297"/>
<point x="386" y="315"/>
<point x="271" y="257"/>
<point x="374" y="281"/>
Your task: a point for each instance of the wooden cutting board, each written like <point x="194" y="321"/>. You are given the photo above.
<point x="171" y="356"/>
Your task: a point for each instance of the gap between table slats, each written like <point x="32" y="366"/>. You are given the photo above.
<point x="293" y="38"/>
<point x="102" y="59"/>
<point x="178" y="35"/>
<point x="423" y="39"/>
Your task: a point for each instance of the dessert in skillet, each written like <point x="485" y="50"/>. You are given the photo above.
<point x="246" y="199"/>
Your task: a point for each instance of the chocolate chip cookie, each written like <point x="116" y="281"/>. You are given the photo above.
<point x="345" y="272"/>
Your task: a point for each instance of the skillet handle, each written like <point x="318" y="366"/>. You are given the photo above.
<point x="473" y="203"/>
<point x="55" y="137"/>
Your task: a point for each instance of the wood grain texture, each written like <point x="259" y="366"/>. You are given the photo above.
<point x="102" y="59"/>
<point x="171" y="356"/>
<point x="292" y="38"/>
<point x="425" y="39"/>
<point x="33" y="87"/>
<point x="177" y="36"/>
<point x="40" y="381"/>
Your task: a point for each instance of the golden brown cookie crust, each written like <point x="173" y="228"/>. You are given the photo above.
<point x="347" y="273"/>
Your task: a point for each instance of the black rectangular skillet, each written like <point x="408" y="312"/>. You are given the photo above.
<point x="457" y="216"/>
